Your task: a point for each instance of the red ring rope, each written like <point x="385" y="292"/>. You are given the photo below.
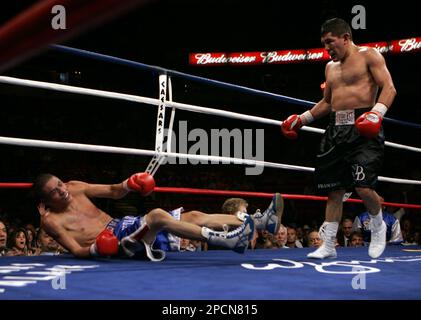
<point x="212" y="192"/>
<point x="268" y="195"/>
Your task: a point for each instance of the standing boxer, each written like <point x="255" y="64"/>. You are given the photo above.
<point x="351" y="151"/>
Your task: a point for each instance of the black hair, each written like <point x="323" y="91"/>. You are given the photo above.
<point x="38" y="186"/>
<point x="11" y="239"/>
<point x="338" y="27"/>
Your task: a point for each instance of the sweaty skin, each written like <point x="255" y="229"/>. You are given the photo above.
<point x="69" y="216"/>
<point x="74" y="220"/>
<point x="353" y="77"/>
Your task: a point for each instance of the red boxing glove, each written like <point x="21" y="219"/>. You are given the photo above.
<point x="291" y="125"/>
<point x="142" y="182"/>
<point x="106" y="244"/>
<point x="369" y="124"/>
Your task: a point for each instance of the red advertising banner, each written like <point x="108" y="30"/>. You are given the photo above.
<point x="294" y="56"/>
<point x="406" y="45"/>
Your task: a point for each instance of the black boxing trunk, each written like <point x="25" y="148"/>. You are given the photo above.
<point x="347" y="160"/>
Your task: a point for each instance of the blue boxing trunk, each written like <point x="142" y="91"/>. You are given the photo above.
<point x="129" y="224"/>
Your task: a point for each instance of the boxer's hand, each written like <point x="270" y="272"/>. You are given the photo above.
<point x="369" y="124"/>
<point x="141" y="182"/>
<point x="291" y="126"/>
<point x="42" y="209"/>
<point x="106" y="244"/>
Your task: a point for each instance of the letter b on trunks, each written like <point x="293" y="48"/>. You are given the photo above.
<point x="358" y="173"/>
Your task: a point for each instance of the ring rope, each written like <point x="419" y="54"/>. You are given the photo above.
<point x="230" y="193"/>
<point x="131" y="151"/>
<point x="156" y="69"/>
<point x="156" y="102"/>
<point x="268" y="195"/>
<point x="217" y="83"/>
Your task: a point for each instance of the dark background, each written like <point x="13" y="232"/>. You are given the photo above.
<point x="163" y="33"/>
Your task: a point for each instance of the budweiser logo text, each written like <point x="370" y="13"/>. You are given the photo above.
<point x="207" y="58"/>
<point x="410" y="44"/>
<point x="289" y="56"/>
<point x="293" y="56"/>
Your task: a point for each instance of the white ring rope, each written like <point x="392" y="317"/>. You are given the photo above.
<point x="77" y="90"/>
<point x="181" y="106"/>
<point x="143" y="152"/>
<point x="130" y="151"/>
<point x="156" y="102"/>
<point x="397" y="180"/>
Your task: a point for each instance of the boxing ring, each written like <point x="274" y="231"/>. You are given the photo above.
<point x="281" y="274"/>
<point x="211" y="275"/>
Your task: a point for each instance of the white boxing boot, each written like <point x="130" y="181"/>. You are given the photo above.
<point x="378" y="235"/>
<point x="327" y="233"/>
<point x="270" y="219"/>
<point x="236" y="240"/>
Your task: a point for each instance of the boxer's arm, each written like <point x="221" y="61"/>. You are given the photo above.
<point x="291" y="125"/>
<point x="59" y="234"/>
<point x="111" y="191"/>
<point x="141" y="182"/>
<point x="381" y="76"/>
<point x="323" y="107"/>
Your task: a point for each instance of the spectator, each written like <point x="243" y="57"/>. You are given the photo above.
<point x="281" y="237"/>
<point x="314" y="239"/>
<point x="344" y="233"/>
<point x="357" y="239"/>
<point x="300" y="235"/>
<point x="270" y="242"/>
<point x="47" y="245"/>
<point x="292" y="241"/>
<point x="408" y="231"/>
<point x="18" y="243"/>
<point x="32" y="243"/>
<point x="393" y="232"/>
<point x="3" y="238"/>
<point x="306" y="231"/>
<point x="186" y="245"/>
<point x="265" y="240"/>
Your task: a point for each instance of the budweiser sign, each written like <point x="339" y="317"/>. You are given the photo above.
<point x="407" y="45"/>
<point x="382" y="47"/>
<point x="223" y="58"/>
<point x="294" y="56"/>
<point x="288" y="56"/>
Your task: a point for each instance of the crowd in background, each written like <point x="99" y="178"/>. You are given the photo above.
<point x="22" y="235"/>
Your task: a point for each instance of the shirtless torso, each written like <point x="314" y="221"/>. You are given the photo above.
<point x="351" y="83"/>
<point x="353" y="78"/>
<point x="75" y="224"/>
<point x="352" y="147"/>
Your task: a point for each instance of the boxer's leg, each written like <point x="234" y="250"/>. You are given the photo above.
<point x="214" y="221"/>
